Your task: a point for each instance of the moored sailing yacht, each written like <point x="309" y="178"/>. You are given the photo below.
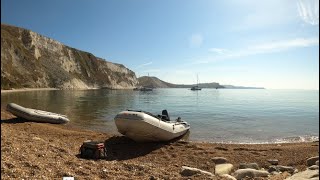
<point x="196" y="88"/>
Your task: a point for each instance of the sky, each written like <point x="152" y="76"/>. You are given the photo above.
<point x="266" y="43"/>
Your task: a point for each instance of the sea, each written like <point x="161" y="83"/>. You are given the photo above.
<point x="215" y="115"/>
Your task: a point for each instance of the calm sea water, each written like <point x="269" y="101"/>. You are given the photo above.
<point x="215" y="115"/>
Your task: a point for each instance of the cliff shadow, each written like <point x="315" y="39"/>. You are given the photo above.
<point x="123" y="148"/>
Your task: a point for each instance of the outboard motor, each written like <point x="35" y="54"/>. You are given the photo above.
<point x="165" y="115"/>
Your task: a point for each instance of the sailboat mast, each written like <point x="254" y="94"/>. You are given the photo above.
<point x="197" y="80"/>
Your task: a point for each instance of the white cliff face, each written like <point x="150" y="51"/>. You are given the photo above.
<point x="32" y="60"/>
<point x="41" y="44"/>
<point x="75" y="84"/>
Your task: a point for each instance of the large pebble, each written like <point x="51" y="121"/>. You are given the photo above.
<point x="223" y="169"/>
<point x="227" y="177"/>
<point x="249" y="165"/>
<point x="313" y="167"/>
<point x="307" y="174"/>
<point x="312" y="161"/>
<point x="189" y="171"/>
<point x="273" y="161"/>
<point x="219" y="160"/>
<point x="251" y="173"/>
<point x="280" y="168"/>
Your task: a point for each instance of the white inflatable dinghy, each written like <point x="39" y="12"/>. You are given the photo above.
<point x="143" y="126"/>
<point x="36" y="115"/>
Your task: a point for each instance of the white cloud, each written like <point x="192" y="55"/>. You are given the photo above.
<point x="262" y="14"/>
<point x="286" y="44"/>
<point x="219" y="50"/>
<point x="148" y="72"/>
<point x="270" y="47"/>
<point x="252" y="14"/>
<point x="145" y="64"/>
<point x="309" y="11"/>
<point x="151" y="70"/>
<point x="196" y="40"/>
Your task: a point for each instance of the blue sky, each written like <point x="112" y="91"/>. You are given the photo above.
<point x="266" y="43"/>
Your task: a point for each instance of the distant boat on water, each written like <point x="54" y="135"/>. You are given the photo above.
<point x="143" y="89"/>
<point x="196" y="88"/>
<point x="146" y="89"/>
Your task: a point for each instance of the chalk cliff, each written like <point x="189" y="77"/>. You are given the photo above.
<point x="30" y="60"/>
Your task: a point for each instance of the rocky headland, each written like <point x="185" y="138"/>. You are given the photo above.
<point x="155" y="82"/>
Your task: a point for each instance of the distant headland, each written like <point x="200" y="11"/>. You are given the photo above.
<point x="155" y="82"/>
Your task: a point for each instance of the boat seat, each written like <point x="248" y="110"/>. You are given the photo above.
<point x="165" y="115"/>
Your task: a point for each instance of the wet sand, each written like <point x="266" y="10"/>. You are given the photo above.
<point x="32" y="150"/>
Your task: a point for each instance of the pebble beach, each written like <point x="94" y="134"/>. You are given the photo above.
<point x="46" y="151"/>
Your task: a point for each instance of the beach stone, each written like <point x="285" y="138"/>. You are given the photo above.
<point x="227" y="177"/>
<point x="289" y="169"/>
<point x="274" y="173"/>
<point x="307" y="174"/>
<point x="219" y="160"/>
<point x="280" y="168"/>
<point x="38" y="139"/>
<point x="223" y="169"/>
<point x="249" y="165"/>
<point x="189" y="171"/>
<point x="317" y="163"/>
<point x="312" y="161"/>
<point x="273" y="161"/>
<point x="251" y="173"/>
<point x="273" y="169"/>
<point x="313" y="167"/>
